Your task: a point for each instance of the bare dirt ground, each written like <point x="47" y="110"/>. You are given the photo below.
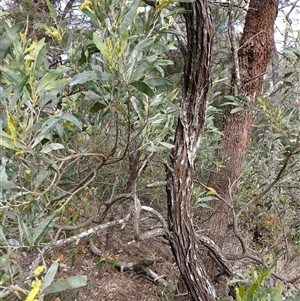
<point x="106" y="282"/>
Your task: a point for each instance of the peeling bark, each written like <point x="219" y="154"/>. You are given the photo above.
<point x="188" y="133"/>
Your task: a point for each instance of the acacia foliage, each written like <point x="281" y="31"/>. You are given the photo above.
<point x="73" y="98"/>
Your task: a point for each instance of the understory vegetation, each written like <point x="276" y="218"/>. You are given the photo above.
<point x="90" y="96"/>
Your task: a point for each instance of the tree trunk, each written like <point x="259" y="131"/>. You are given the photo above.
<point x="253" y="56"/>
<point x="188" y="132"/>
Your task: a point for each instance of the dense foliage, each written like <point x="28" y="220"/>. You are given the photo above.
<point x="81" y="103"/>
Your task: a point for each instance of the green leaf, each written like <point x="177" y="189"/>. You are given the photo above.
<point x="138" y="107"/>
<point x="143" y="87"/>
<point x="39" y="54"/>
<point x="19" y="90"/>
<point x="50" y="275"/>
<point x="50" y="147"/>
<point x="66" y="284"/>
<point x="42" y="228"/>
<point x="72" y="119"/>
<point x="40" y="177"/>
<point x="16" y="79"/>
<point x="211" y="191"/>
<point x="24" y="230"/>
<point x="123" y="41"/>
<point x="235" y="110"/>
<point x="6" y="41"/>
<point x="97" y="107"/>
<point x="52" y="10"/>
<point x="86" y="76"/>
<point x="58" y="84"/>
<point x="241" y="292"/>
<point x="243" y="98"/>
<point x="7" y="185"/>
<point x="203" y="205"/>
<point x="206" y="198"/>
<point x="3" y="143"/>
<point x="4" y="182"/>
<point x="129" y="16"/>
<point x="3" y="241"/>
<point x="158" y="81"/>
<point x="230" y="97"/>
<point x="250" y="292"/>
<point x="288" y="74"/>
<point x="99" y="44"/>
<point x="262" y="276"/>
<point x="12" y="127"/>
<point x="49" y="78"/>
<point x="167" y="145"/>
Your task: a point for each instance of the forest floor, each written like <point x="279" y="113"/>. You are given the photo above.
<point x="106" y="282"/>
<point x="105" y="279"/>
<point x="109" y="276"/>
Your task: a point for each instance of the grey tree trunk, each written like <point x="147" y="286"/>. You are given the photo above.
<point x="188" y="132"/>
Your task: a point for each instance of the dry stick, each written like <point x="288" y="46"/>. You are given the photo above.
<point x="158" y="184"/>
<point x="237" y="232"/>
<point x="88" y="232"/>
<point x="274" y="89"/>
<point x="216" y="254"/>
<point x="136" y="216"/>
<point x="74" y="227"/>
<point x="141" y="265"/>
<point x="113" y="200"/>
<point x="80" y="155"/>
<point x="159" y="216"/>
<point x="155" y="277"/>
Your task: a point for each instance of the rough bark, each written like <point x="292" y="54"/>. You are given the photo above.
<point x="188" y="133"/>
<point x="253" y="56"/>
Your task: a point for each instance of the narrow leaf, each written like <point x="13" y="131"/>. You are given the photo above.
<point x="129" y="15"/>
<point x="52" y="10"/>
<point x="50" y="147"/>
<point x="86" y="76"/>
<point x="66" y="284"/>
<point x="25" y="230"/>
<point x="49" y="78"/>
<point x="41" y="229"/>
<point x="49" y="277"/>
<point x="83" y="77"/>
<point x="158" y="81"/>
<point x="235" y="110"/>
<point x="40" y="52"/>
<point x="5" y="41"/>
<point x="143" y="87"/>
<point x="72" y="119"/>
<point x="211" y="191"/>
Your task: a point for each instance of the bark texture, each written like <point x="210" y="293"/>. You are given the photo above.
<point x="188" y="133"/>
<point x="253" y="56"/>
